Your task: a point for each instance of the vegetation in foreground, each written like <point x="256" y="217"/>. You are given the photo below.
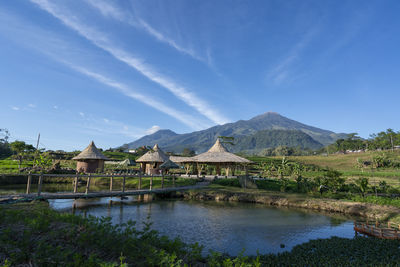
<point x="33" y="234"/>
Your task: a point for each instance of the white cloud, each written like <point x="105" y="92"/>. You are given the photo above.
<point x="107" y="9"/>
<point x="32" y="106"/>
<point x="153" y="129"/>
<point x="281" y="72"/>
<point x="55" y="107"/>
<point x="82" y="114"/>
<point x="124" y="89"/>
<point x="14" y="108"/>
<point x="102" y="41"/>
<point x="106" y="120"/>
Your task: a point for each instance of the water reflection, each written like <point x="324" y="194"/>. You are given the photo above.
<point x="221" y="226"/>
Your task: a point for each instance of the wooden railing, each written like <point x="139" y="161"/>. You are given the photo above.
<point x="89" y="178"/>
<point x="381" y="230"/>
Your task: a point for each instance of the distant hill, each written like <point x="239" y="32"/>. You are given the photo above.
<point x="282" y="131"/>
<point x="274" y="138"/>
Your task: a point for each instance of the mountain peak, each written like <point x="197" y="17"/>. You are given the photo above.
<point x="278" y="125"/>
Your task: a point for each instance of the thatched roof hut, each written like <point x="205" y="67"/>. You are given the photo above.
<point x="90" y="160"/>
<point x="157" y="155"/>
<point x="218" y="154"/>
<point x="151" y="161"/>
<point x="181" y="160"/>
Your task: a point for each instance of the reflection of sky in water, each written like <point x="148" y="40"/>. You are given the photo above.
<point x="220" y="226"/>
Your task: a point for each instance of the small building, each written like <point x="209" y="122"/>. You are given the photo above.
<point x="90" y="160"/>
<point x="218" y="156"/>
<point x="151" y="161"/>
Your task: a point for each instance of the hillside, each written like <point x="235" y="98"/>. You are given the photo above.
<point x="200" y="141"/>
<point x="273" y="138"/>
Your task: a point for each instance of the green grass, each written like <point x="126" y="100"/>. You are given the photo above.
<point x="377" y="200"/>
<point x="8" y="166"/>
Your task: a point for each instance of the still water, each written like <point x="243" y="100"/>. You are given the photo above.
<point x="220" y="226"/>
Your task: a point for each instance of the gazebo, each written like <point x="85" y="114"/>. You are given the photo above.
<point x="218" y="155"/>
<point x="151" y="161"/>
<point x="90" y="160"/>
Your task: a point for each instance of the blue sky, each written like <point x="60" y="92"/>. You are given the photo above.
<point x="113" y="71"/>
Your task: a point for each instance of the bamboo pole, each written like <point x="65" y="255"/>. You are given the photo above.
<point x="111" y="183"/>
<point x="40" y="184"/>
<point x="87" y="184"/>
<point x="123" y="185"/>
<point x="151" y="182"/>
<point x="76" y="183"/>
<point x="28" y="184"/>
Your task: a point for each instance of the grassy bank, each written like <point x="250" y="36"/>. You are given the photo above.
<point x="34" y="235"/>
<point x="370" y="208"/>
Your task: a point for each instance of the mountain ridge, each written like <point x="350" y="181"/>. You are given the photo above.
<point x="200" y="141"/>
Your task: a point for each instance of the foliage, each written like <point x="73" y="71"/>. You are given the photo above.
<point x="383" y="140"/>
<point x="227" y="182"/>
<point x="21" y="150"/>
<point x="43" y="160"/>
<point x="362" y="184"/>
<point x="5" y="150"/>
<point x="35" y="235"/>
<point x="392" y="201"/>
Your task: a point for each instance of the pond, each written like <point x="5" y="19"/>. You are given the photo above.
<point x="221" y="226"/>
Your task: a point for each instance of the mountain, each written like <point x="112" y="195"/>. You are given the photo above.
<point x="274" y="138"/>
<point x="243" y="130"/>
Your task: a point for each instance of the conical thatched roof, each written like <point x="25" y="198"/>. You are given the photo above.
<point x="179" y="159"/>
<point x="157" y="155"/>
<point x="91" y="152"/>
<point x="169" y="164"/>
<point x="218" y="154"/>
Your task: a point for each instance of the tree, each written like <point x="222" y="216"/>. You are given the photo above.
<point x="21" y="149"/>
<point x="5" y="150"/>
<point x="362" y="184"/>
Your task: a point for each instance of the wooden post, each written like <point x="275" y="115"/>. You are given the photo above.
<point x="140" y="181"/>
<point x="76" y="183"/>
<point x="28" y="184"/>
<point x="87" y="184"/>
<point x="40" y="184"/>
<point x="123" y="185"/>
<point x="173" y="180"/>
<point x="151" y="182"/>
<point x="162" y="179"/>
<point x="111" y="182"/>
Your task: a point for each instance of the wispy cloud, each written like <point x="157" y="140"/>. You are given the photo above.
<point x="281" y="72"/>
<point x="47" y="42"/>
<point x="31" y="105"/>
<point x="107" y="9"/>
<point x="153" y="129"/>
<point x="107" y="127"/>
<point x="102" y="41"/>
<point x="124" y="89"/>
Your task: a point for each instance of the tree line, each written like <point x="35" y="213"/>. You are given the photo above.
<point x="384" y="140"/>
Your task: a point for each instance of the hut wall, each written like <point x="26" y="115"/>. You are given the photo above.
<point x="90" y="166"/>
<point x="153" y="169"/>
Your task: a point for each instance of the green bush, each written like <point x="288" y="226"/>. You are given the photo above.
<point x="227" y="182"/>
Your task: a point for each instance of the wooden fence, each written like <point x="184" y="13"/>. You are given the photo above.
<point x="377" y="229"/>
<point x="90" y="177"/>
